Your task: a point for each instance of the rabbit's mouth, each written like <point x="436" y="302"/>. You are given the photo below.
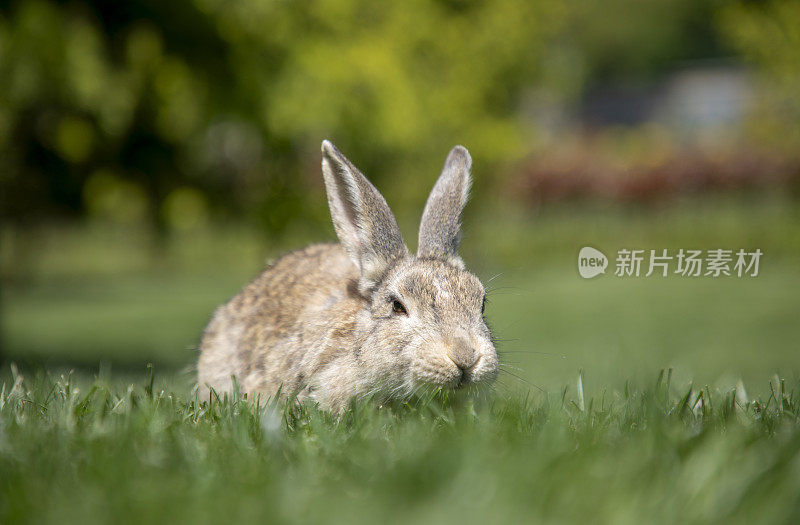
<point x="464" y="377"/>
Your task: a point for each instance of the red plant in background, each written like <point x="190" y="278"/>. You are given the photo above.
<point x="588" y="172"/>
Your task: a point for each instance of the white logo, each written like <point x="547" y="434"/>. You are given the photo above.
<point x="638" y="262"/>
<point x="591" y="262"/>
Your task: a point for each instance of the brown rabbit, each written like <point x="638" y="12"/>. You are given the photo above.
<point x="364" y="317"/>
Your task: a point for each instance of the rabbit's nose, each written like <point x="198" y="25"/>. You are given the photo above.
<point x="462" y="354"/>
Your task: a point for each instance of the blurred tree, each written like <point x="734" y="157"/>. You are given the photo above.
<point x="233" y="98"/>
<point x="82" y="91"/>
<point x="768" y="35"/>
<point x="631" y="40"/>
<point x="146" y="110"/>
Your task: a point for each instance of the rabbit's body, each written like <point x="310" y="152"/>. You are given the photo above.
<point x="365" y="317"/>
<point x="277" y="333"/>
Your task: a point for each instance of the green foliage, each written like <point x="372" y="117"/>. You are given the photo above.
<point x="768" y="35"/>
<point x="98" y="452"/>
<point x="629" y="41"/>
<point x="208" y="108"/>
<point x="234" y="99"/>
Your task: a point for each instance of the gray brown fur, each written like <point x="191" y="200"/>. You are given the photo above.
<point x="321" y="322"/>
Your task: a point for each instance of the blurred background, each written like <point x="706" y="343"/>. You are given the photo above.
<point x="154" y="155"/>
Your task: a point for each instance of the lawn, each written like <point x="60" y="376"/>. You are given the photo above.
<point x="715" y="438"/>
<point x="91" y="297"/>
<point x="100" y="453"/>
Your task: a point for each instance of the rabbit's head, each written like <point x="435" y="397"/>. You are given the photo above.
<point x="423" y="321"/>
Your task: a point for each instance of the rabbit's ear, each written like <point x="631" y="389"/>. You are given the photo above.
<point x="439" y="231"/>
<point x="362" y="219"/>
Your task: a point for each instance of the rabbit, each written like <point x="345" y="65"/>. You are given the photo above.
<point x="364" y="317"/>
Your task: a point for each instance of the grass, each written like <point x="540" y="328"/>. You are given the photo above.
<point x="111" y="444"/>
<point x="102" y="452"/>
<point x="89" y="295"/>
<point x="710" y="331"/>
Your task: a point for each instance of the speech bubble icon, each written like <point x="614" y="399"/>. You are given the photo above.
<point x="591" y="262"/>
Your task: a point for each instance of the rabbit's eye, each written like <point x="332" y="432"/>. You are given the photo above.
<point x="398" y="308"/>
